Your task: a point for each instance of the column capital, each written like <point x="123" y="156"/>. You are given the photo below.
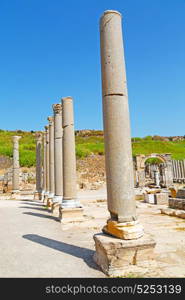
<point x="16" y="138"/>
<point x="50" y="119"/>
<point x="38" y="136"/>
<point x="57" y="108"/>
<point x="66" y="98"/>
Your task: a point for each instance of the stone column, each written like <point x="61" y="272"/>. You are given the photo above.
<point x="118" y="152"/>
<point x="156" y="178"/>
<point x="123" y="223"/>
<point x="58" y="165"/>
<point x="47" y="163"/>
<point x="51" y="162"/>
<point x="70" y="201"/>
<point x="16" y="168"/>
<point x="44" y="166"/>
<point x="38" y="192"/>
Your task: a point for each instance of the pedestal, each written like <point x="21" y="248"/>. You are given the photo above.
<point x="114" y="256"/>
<point x="55" y="209"/>
<point x="70" y="215"/>
<point x="37" y="196"/>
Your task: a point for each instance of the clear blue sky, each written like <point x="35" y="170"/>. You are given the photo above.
<point x="50" y="49"/>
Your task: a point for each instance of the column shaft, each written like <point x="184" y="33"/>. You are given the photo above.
<point x="16" y="167"/>
<point x="118" y="152"/>
<point x="44" y="163"/>
<point x="58" y="133"/>
<point x="47" y="159"/>
<point x="69" y="157"/>
<point x="51" y="158"/>
<point x="38" y="165"/>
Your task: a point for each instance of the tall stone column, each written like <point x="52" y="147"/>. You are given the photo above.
<point x="16" y="167"/>
<point x="58" y="165"/>
<point x="123" y="223"/>
<point x="70" y="201"/>
<point x="44" y="166"/>
<point x="118" y="151"/>
<point x="51" y="162"/>
<point x="47" y="163"/>
<point x="38" y="192"/>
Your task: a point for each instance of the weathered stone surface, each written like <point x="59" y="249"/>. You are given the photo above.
<point x="181" y="193"/>
<point x="70" y="199"/>
<point x="55" y="209"/>
<point x="58" y="141"/>
<point x="16" y="171"/>
<point x="38" y="192"/>
<point x="158" y="198"/>
<point x="126" y="230"/>
<point x="116" y="119"/>
<point x="176" y="203"/>
<point x="51" y="159"/>
<point x="70" y="215"/>
<point x="114" y="256"/>
<point x="173" y="212"/>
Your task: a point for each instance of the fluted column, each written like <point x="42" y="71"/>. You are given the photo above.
<point x="51" y="159"/>
<point x="38" y="192"/>
<point x="58" y="133"/>
<point x="16" y="166"/>
<point x="118" y="151"/>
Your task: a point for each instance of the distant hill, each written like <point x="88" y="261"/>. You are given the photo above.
<point x="90" y="142"/>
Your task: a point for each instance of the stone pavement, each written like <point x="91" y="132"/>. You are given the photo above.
<point x="33" y="244"/>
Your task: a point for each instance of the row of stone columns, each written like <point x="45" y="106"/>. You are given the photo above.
<point x="58" y="176"/>
<point x="60" y="161"/>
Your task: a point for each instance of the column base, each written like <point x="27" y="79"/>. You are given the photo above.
<point x="42" y="195"/>
<point x="45" y="197"/>
<point x="70" y="215"/>
<point x="49" y="203"/>
<point x="70" y="203"/>
<point x="115" y="256"/>
<point x="38" y="196"/>
<point x="55" y="209"/>
<point x="125" y="231"/>
<point x="57" y="199"/>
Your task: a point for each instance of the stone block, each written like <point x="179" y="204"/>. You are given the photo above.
<point x="70" y="215"/>
<point x="181" y="194"/>
<point x="149" y="198"/>
<point x="179" y="213"/>
<point x="161" y="198"/>
<point x="55" y="209"/>
<point x="114" y="255"/>
<point x="176" y="203"/>
<point x="158" y="198"/>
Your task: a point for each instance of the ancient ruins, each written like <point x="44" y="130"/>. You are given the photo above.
<point x="132" y="183"/>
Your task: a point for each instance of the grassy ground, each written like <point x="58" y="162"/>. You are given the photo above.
<point x="86" y="146"/>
